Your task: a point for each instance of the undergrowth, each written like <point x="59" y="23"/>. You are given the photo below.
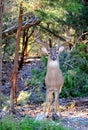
<point x="9" y="123"/>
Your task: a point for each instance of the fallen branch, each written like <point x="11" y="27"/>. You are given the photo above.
<point x="77" y="102"/>
<point x="25" y="24"/>
<point x="81" y="102"/>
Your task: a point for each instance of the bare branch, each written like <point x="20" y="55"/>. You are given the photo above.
<point x="69" y="65"/>
<point x="86" y="33"/>
<point x="36" y="38"/>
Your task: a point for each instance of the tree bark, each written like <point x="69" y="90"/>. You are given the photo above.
<point x="14" y="76"/>
<point x="1" y="5"/>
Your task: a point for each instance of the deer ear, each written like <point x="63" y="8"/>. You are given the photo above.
<point x="45" y="50"/>
<point x="61" y="48"/>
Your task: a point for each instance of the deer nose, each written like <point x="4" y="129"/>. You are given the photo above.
<point x="53" y="58"/>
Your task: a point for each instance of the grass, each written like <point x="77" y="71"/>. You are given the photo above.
<point x="10" y="123"/>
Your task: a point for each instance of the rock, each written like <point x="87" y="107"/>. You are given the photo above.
<point x="40" y="116"/>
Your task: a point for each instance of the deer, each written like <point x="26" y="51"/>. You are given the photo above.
<point x="54" y="78"/>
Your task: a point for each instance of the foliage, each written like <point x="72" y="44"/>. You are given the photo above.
<point x="76" y="84"/>
<point x="8" y="48"/>
<point x="38" y="77"/>
<point x="76" y="74"/>
<point x="38" y="74"/>
<point x="29" y="124"/>
<point x="9" y="123"/>
<point x="78" y="21"/>
<point x="59" y="14"/>
<point x="23" y="97"/>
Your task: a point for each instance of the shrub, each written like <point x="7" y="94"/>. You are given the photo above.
<point x="29" y="124"/>
<point x="8" y="123"/>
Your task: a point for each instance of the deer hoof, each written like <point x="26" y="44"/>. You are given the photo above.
<point x="56" y="116"/>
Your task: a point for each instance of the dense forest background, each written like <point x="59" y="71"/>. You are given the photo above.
<point x="61" y="21"/>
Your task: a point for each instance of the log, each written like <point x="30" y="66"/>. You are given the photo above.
<point x="76" y="102"/>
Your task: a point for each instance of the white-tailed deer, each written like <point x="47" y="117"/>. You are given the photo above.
<point x="53" y="79"/>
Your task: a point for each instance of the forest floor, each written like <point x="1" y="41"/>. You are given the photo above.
<point x="74" y="110"/>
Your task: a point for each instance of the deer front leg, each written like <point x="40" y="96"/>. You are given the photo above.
<point x="57" y="106"/>
<point x="49" y="98"/>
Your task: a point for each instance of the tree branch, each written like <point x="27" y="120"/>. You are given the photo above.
<point x="50" y="31"/>
<point x="25" y="24"/>
<point x="83" y="34"/>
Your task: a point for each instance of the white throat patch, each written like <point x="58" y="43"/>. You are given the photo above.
<point x="53" y="63"/>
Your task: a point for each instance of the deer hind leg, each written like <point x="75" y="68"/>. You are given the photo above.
<point x="57" y="106"/>
<point x="49" y="98"/>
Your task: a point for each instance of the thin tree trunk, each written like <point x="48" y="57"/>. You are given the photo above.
<point x="14" y="76"/>
<point x="24" y="46"/>
<point x="69" y="38"/>
<point x="26" y="37"/>
<point x="0" y="48"/>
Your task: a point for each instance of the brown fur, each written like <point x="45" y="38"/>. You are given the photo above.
<point x="54" y="82"/>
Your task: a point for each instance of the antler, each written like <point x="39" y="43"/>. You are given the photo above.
<point x="36" y="38"/>
<point x="60" y="47"/>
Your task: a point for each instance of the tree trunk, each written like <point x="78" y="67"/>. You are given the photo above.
<point x="26" y="37"/>
<point x="0" y="47"/>
<point x="14" y="76"/>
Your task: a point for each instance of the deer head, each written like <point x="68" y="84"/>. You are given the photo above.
<point x="51" y="52"/>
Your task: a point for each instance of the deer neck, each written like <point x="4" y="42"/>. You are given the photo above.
<point x="53" y="64"/>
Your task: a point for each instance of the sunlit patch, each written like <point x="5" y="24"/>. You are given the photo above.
<point x="23" y="97"/>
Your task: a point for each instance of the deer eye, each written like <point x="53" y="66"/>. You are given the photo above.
<point x="48" y="53"/>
